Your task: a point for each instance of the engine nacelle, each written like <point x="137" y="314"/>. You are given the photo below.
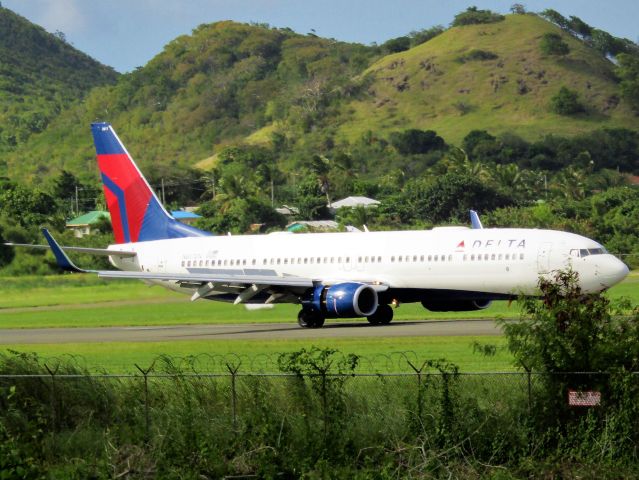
<point x="455" y="306"/>
<point x="343" y="300"/>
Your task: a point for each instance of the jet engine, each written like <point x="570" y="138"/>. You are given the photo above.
<point x="345" y="300"/>
<point x="455" y="306"/>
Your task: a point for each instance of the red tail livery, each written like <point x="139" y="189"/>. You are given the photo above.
<point x="136" y="213"/>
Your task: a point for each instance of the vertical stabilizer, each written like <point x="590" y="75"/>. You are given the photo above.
<point x="136" y="213"/>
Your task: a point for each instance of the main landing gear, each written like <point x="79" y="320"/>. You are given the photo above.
<point x="308" y="319"/>
<point x="382" y="316"/>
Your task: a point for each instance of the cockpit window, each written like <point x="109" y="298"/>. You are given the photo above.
<point x="584" y="252"/>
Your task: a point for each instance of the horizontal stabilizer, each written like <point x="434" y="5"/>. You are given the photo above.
<point x="89" y="251"/>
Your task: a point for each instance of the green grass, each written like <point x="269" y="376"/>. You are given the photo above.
<point x="85" y="301"/>
<point x="380" y="354"/>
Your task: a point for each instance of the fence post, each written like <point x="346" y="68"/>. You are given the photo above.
<point x="54" y="409"/>
<point x="233" y="371"/>
<point x="147" y="418"/>
<point x="54" y="416"/>
<point x="420" y="393"/>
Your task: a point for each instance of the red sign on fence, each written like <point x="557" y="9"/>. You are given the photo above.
<point x="584" y="399"/>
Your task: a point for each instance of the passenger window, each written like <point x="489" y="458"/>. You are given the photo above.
<point x="182" y="262"/>
<point x="472" y="257"/>
<point x="325" y="259"/>
<point x="188" y="264"/>
<point x="305" y="261"/>
<point x="319" y="260"/>
<point x="508" y="256"/>
<point x="339" y="259"/>
<point x="332" y="259"/>
<point x="465" y="257"/>
<point x="399" y="259"/>
<point x="435" y="258"/>
<point x="485" y="256"/>
<point x="492" y="257"/>
<point x="430" y="258"/>
<point x="521" y="256"/>
<point x="392" y="259"/>
<point x="311" y="260"/>
<point x="414" y="258"/>
<point x="421" y="258"/>
<point x="278" y="261"/>
<point x="379" y="259"/>
<point x="499" y="256"/>
<point x="450" y="258"/>
<point x="584" y="252"/>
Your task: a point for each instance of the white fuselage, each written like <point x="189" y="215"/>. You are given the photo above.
<point x="491" y="261"/>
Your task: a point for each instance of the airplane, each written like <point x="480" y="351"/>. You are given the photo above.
<point x="330" y="275"/>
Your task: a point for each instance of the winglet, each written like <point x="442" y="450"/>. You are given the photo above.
<point x="60" y="257"/>
<point x="475" y="221"/>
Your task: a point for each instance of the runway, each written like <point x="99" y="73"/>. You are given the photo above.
<point x="248" y="331"/>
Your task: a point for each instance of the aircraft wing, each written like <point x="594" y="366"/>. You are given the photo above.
<point x="245" y="285"/>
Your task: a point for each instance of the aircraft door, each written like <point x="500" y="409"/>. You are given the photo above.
<point x="543" y="257"/>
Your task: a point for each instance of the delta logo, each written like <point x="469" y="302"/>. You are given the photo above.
<point x="490" y="243"/>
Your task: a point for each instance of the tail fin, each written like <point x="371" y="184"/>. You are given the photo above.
<point x="136" y="213"/>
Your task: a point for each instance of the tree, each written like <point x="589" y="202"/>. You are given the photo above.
<point x="518" y="8"/>
<point x="413" y="141"/>
<point x="474" y="16"/>
<point x="571" y="331"/>
<point x="566" y="102"/>
<point x="422" y="36"/>
<point x="579" y="27"/>
<point x="6" y="253"/>
<point x="396" y="45"/>
<point x="553" y="44"/>
<point x="451" y="196"/>
<point x="628" y="72"/>
<point x="555" y="17"/>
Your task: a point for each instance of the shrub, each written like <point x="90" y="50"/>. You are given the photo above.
<point x="477" y="55"/>
<point x="553" y="44"/>
<point x="566" y="102"/>
<point x="473" y="16"/>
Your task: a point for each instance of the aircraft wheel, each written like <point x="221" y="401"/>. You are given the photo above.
<point x="307" y="319"/>
<point x="382" y="316"/>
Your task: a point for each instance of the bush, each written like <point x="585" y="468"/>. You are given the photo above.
<point x="473" y="16"/>
<point x="553" y="44"/>
<point x="477" y="55"/>
<point x="566" y="102"/>
<point x="413" y="141"/>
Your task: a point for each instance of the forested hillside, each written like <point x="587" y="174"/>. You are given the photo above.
<point x="40" y="75"/>
<point x="529" y="118"/>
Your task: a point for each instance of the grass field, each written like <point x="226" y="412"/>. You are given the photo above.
<point x="85" y="301"/>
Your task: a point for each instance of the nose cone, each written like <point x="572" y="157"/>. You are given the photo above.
<point x="613" y="271"/>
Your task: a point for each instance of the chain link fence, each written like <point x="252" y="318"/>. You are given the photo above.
<point x="247" y="419"/>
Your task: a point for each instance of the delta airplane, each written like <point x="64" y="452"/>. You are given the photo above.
<point x="330" y="275"/>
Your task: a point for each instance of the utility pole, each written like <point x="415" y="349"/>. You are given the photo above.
<point x="272" y="194"/>
<point x="77" y="208"/>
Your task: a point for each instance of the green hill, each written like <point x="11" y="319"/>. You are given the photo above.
<point x="40" y="75"/>
<point x="216" y="86"/>
<point x="230" y="83"/>
<point x="490" y="76"/>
